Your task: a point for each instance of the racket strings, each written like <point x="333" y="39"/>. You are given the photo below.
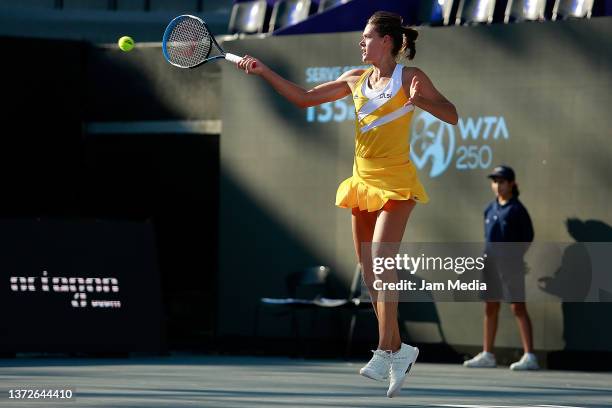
<point x="189" y="43"/>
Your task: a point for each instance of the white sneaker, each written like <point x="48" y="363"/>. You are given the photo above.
<point x="401" y="363"/>
<point x="528" y="362"/>
<point x="378" y="366"/>
<point x="481" y="360"/>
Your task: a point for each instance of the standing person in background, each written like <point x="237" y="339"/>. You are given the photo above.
<point x="506" y="220"/>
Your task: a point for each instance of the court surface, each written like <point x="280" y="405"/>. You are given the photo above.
<point x="221" y="381"/>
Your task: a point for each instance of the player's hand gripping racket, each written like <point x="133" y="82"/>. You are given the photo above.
<point x="188" y="43"/>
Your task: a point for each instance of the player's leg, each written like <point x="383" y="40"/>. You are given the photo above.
<point x="363" y="230"/>
<point x="389" y="230"/>
<point x="363" y="223"/>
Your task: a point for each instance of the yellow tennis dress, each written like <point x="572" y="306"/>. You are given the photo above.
<point x="382" y="169"/>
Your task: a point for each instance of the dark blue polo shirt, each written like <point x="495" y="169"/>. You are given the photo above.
<point x="507" y="223"/>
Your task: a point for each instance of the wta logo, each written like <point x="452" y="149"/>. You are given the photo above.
<point x="439" y="143"/>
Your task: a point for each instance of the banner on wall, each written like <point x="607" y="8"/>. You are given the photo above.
<point x="79" y="285"/>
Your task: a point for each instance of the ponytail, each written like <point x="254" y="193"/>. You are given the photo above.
<point x="409" y="45"/>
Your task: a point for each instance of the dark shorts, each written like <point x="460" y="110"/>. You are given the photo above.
<point x="505" y="279"/>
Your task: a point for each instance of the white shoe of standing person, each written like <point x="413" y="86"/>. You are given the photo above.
<point x="528" y="362"/>
<point x="481" y="360"/>
<point x="378" y="366"/>
<point x="401" y="363"/>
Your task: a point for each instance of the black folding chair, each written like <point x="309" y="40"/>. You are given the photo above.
<point x="307" y="290"/>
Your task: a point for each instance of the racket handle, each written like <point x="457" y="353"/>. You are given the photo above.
<point x="233" y="58"/>
<point x="236" y="59"/>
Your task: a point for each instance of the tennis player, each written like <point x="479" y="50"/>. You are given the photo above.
<point x="384" y="187"/>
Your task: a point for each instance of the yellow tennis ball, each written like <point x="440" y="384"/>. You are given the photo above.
<point x="126" y="43"/>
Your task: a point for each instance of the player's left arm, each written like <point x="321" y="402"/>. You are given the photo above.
<point x="422" y="93"/>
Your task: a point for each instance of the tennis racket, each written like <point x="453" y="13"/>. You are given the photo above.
<point x="188" y="43"/>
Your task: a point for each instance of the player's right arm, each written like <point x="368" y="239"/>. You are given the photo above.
<point x="327" y="92"/>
